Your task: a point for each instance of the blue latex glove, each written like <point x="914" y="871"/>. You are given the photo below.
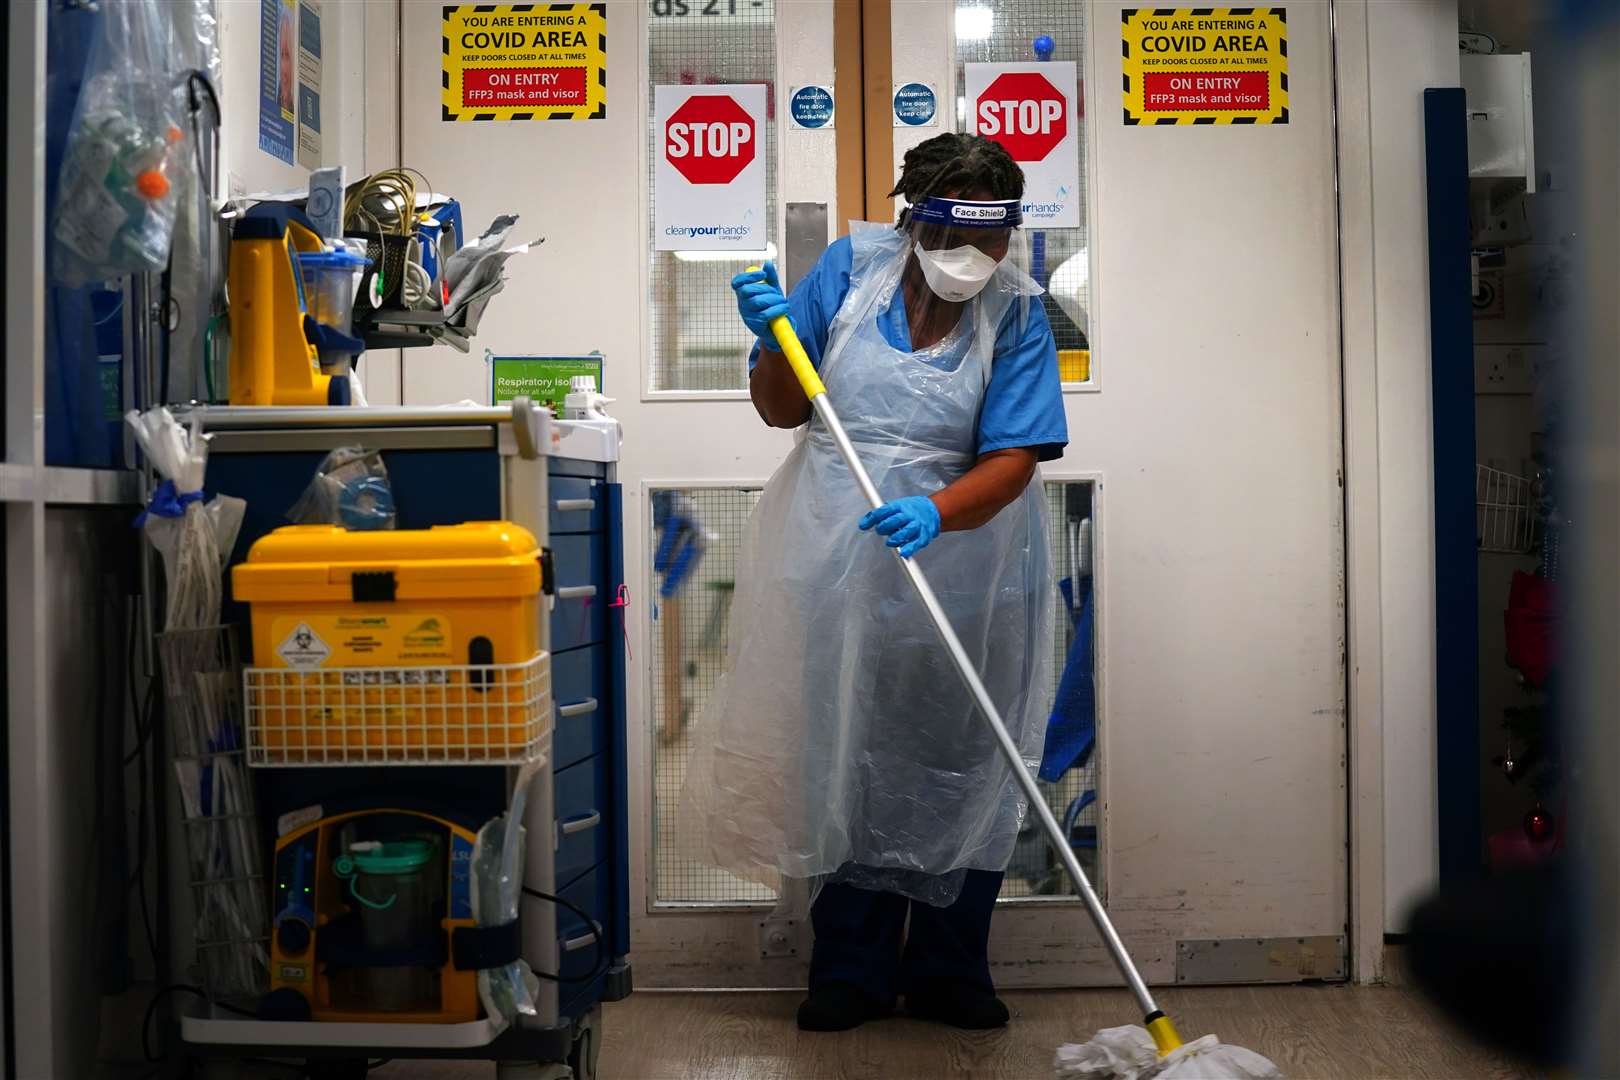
<point x="910" y="523"/>
<point x="759" y="300"/>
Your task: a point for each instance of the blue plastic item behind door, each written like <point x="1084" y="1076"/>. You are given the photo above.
<point x="84" y="330"/>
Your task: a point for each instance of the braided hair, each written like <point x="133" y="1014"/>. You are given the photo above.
<point x="958" y="164"/>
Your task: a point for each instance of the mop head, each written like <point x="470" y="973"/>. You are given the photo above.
<point x="1128" y="1053"/>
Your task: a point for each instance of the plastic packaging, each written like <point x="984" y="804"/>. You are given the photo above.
<point x="840" y="740"/>
<point x="497" y="893"/>
<point x="229" y="913"/>
<point x="120" y="184"/>
<point x="477" y="272"/>
<point x="197" y="251"/>
<point x="350" y="489"/>
<point x="1128" y="1053"/>
<point x="194" y="537"/>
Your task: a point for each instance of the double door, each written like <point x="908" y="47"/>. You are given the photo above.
<point x="1199" y="500"/>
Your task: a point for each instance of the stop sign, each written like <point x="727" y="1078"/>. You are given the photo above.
<point x="1023" y="112"/>
<point x="709" y="139"/>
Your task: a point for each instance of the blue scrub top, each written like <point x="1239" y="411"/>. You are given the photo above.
<point x="1023" y="405"/>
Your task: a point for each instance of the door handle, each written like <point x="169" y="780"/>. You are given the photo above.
<point x="576" y="592"/>
<point x="574" y="944"/>
<point x="578" y="708"/>
<point x="582" y="823"/>
<point x="567" y="506"/>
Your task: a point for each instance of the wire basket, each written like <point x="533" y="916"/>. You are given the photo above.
<point x="474" y="714"/>
<point x="1504" y="510"/>
<point x="202" y="682"/>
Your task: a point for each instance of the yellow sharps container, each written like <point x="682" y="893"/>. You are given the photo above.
<point x="395" y="645"/>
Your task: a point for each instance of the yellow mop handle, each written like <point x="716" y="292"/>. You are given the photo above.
<point x="788" y="342"/>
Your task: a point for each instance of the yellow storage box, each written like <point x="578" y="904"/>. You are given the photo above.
<point x="395" y="646"/>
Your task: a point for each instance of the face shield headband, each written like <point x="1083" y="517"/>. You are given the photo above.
<point x="968" y="213"/>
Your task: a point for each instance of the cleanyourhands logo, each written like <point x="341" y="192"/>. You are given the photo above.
<point x="732" y="232"/>
<point x="1042" y="209"/>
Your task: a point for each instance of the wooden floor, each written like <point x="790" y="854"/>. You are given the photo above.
<point x="1309" y="1031"/>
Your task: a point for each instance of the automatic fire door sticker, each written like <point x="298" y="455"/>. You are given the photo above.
<point x="303" y="648"/>
<point x="524" y="62"/>
<point x="1205" y="65"/>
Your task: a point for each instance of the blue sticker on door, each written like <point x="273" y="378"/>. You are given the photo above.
<point x="915" y="105"/>
<point x="811" y="107"/>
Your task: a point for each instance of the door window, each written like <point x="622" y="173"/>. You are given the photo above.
<point x="697" y="341"/>
<point x="1005" y="32"/>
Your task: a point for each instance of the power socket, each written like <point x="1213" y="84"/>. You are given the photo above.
<point x="1507" y="369"/>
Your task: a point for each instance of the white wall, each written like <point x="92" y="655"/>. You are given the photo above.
<point x="343" y="48"/>
<point x="1411" y="45"/>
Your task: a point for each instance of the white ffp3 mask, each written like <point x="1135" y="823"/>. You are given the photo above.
<point x="955" y="274"/>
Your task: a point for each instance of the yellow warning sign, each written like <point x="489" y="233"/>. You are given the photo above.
<point x="1205" y="65"/>
<point x="524" y="62"/>
<point x="364" y="641"/>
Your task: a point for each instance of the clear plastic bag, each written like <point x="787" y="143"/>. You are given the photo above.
<point x="119" y="188"/>
<point x="497" y="892"/>
<point x="1128" y="1053"/>
<point x="350" y="489"/>
<point x="194" y="536"/>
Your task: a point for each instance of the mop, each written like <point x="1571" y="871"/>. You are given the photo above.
<point x="1122" y="1053"/>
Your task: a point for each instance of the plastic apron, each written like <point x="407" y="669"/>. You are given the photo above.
<point x="841" y="743"/>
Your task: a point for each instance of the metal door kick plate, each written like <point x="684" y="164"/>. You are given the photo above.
<point x="1261" y="960"/>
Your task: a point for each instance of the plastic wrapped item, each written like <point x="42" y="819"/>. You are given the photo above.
<point x="229" y="912"/>
<point x="477" y="272"/>
<point x="1128" y="1053"/>
<point x="119" y="188"/>
<point x="194" y="537"/>
<point x="349" y="489"/>
<point x="196" y="271"/>
<point x="497" y="893"/>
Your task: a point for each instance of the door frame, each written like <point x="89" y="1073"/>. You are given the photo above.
<point x="723" y="930"/>
<point x="1362" y="498"/>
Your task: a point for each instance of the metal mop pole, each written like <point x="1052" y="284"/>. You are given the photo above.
<point x="1157" y="1023"/>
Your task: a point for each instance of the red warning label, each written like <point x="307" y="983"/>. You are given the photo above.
<point x="1210" y="91"/>
<point x="539" y="88"/>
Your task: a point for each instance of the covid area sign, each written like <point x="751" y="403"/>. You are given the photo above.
<point x="524" y="62"/>
<point x="1205" y="65"/>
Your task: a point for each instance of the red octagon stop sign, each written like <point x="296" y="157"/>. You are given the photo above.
<point x="709" y="139"/>
<point x="1023" y="112"/>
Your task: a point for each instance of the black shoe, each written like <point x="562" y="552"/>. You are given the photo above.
<point x="959" y="1006"/>
<point x="839" y="1006"/>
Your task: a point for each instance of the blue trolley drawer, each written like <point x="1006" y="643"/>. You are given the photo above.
<point x="579" y="687"/>
<point x="583" y="829"/>
<point x="576" y="505"/>
<point x="580" y="616"/>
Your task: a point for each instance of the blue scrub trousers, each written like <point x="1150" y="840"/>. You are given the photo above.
<point x="859" y="935"/>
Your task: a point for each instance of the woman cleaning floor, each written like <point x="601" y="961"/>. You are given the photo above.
<point x="840" y="747"/>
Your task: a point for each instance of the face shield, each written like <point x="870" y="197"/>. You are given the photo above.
<point x="960" y="243"/>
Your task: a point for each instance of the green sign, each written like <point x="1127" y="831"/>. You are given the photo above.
<point x="544" y="380"/>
